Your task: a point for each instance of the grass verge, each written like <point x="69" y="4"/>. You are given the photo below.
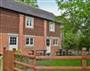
<point x="60" y="63"/>
<point x="1" y="63"/>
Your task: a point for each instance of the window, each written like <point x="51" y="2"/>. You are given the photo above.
<point x="13" y="40"/>
<point x="55" y="42"/>
<point x="29" y="22"/>
<point x="52" y="27"/>
<point x="29" y="41"/>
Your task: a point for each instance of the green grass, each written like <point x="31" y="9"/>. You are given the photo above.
<point x="88" y="62"/>
<point x="54" y="63"/>
<point x="60" y="63"/>
<point x="1" y="64"/>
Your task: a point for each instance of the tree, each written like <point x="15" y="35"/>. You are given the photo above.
<point x="70" y="41"/>
<point x="33" y="3"/>
<point x="85" y="39"/>
<point x="75" y="19"/>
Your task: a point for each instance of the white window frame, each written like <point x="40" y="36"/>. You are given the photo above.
<point x="12" y="46"/>
<point x="55" y="38"/>
<point x="52" y="27"/>
<point x="29" y="45"/>
<point x="32" y="22"/>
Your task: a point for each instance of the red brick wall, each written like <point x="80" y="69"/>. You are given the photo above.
<point x="56" y="33"/>
<point x="3" y="41"/>
<point x="9" y="21"/>
<point x="38" y="29"/>
<point x="39" y="42"/>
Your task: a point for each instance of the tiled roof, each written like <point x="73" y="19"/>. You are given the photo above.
<point x="25" y="9"/>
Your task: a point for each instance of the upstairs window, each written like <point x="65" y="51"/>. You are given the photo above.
<point x="52" y="27"/>
<point x="29" y="22"/>
<point x="29" y="41"/>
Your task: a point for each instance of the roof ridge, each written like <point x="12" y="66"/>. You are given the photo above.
<point x="26" y="9"/>
<point x="33" y="7"/>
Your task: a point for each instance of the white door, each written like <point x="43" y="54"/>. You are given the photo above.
<point x="13" y="42"/>
<point x="48" y="45"/>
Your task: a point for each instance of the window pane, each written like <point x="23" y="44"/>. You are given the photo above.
<point x="55" y="41"/>
<point x="52" y="27"/>
<point x="12" y="40"/>
<point x="27" y="41"/>
<point x="48" y="42"/>
<point x="29" y="21"/>
<point x="31" y="41"/>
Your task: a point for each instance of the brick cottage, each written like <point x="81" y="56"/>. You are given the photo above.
<point x="26" y="28"/>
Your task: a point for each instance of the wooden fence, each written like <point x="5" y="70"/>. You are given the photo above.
<point x="10" y="62"/>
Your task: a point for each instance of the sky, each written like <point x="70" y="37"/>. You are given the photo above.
<point x="49" y="5"/>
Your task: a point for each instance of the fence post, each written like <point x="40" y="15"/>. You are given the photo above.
<point x="34" y="61"/>
<point x="4" y="59"/>
<point x="84" y="59"/>
<point x="8" y="60"/>
<point x="13" y="58"/>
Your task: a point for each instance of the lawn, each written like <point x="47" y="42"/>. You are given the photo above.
<point x="55" y="63"/>
<point x="61" y="63"/>
<point x="1" y="63"/>
<point x="88" y="62"/>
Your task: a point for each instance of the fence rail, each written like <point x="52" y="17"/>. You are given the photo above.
<point x="10" y="62"/>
